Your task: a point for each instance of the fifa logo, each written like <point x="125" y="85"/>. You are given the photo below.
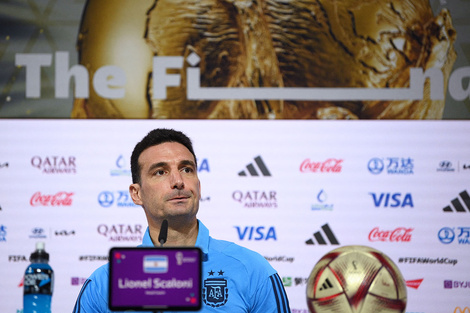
<point x="464" y="310"/>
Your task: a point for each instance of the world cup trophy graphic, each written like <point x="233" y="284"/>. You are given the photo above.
<point x="250" y="45"/>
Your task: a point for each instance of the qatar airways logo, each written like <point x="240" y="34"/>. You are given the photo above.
<point x="61" y="198"/>
<point x="121" y="232"/>
<point x="331" y="165"/>
<point x="256" y="198"/>
<point x="400" y="234"/>
<point x="55" y="164"/>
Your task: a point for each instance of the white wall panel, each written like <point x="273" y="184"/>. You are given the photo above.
<point x="282" y="210"/>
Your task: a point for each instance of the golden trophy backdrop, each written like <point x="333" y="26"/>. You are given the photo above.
<point x="242" y="43"/>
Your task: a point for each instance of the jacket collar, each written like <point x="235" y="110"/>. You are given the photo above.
<point x="202" y="240"/>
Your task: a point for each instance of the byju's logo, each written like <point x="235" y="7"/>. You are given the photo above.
<point x="456" y="284"/>
<point x="392" y="165"/>
<point x="447" y="235"/>
<point x="392" y="200"/>
<point x="256" y="233"/>
<point x="321" y="202"/>
<point x="121" y="198"/>
<point x="459" y="205"/>
<point x="252" y="171"/>
<point x="318" y="237"/>
<point x="77" y="281"/>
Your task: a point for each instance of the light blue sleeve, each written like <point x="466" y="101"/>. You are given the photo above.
<point x="266" y="288"/>
<point x="93" y="297"/>
<point x="270" y="296"/>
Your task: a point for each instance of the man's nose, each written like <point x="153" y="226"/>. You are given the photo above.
<point x="177" y="181"/>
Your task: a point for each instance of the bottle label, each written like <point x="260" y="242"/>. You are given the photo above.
<point x="38" y="281"/>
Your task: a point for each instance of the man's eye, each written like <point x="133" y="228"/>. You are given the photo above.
<point x="159" y="172"/>
<point x="187" y="170"/>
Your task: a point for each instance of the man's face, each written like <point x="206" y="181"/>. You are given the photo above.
<point x="169" y="184"/>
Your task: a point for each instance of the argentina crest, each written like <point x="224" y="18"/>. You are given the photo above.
<point x="215" y="291"/>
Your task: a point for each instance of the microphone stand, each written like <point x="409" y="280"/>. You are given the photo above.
<point x="162" y="239"/>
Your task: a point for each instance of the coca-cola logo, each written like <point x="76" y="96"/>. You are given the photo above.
<point x="400" y="234"/>
<point x="329" y="166"/>
<point x="61" y="198"/>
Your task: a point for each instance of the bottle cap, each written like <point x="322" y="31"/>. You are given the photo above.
<point x="40" y="254"/>
<point x="40" y="245"/>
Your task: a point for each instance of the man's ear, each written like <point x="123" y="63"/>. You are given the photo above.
<point x="134" y="190"/>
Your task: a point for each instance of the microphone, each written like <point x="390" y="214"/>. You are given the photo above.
<point x="163" y="233"/>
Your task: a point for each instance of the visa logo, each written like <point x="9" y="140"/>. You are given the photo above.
<point x="203" y="165"/>
<point x="256" y="233"/>
<point x="392" y="200"/>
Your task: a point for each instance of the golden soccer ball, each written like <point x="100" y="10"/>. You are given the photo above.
<point x="356" y="279"/>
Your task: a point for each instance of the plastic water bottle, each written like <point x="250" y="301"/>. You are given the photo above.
<point x="38" y="282"/>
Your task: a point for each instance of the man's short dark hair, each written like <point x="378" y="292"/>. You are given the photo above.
<point x="153" y="138"/>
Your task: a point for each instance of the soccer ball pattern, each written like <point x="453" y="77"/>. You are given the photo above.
<point x="356" y="279"/>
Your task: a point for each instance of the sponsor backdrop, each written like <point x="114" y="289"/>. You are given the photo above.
<point x="291" y="190"/>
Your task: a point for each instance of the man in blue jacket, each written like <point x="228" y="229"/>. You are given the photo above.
<point x="166" y="185"/>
